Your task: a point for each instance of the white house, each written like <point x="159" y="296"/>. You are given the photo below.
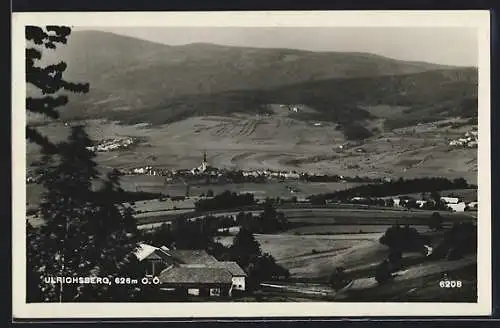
<point x="421" y="203"/>
<point x="472" y="205"/>
<point x="459" y="207"/>
<point x="291" y="175"/>
<point x="450" y="200"/>
<point x="237" y="273"/>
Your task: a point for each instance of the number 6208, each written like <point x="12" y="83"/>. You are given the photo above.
<point x="450" y="283"/>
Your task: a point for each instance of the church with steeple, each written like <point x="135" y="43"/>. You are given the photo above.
<point x="204" y="167"/>
<point x="204" y="164"/>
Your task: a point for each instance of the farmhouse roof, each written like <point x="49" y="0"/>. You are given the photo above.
<point x="192" y="256"/>
<point x="145" y="251"/>
<point x="232" y="267"/>
<point x="188" y="275"/>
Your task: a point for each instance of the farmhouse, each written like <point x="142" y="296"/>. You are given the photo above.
<point x="238" y="276"/>
<point x="472" y="205"/>
<point x="191" y="272"/>
<point x="458" y="207"/>
<point x="421" y="203"/>
<point x="197" y="281"/>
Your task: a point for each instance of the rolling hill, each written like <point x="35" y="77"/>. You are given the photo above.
<point x="135" y="81"/>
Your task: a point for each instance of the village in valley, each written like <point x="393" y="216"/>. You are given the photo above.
<point x="351" y="187"/>
<point x="191" y="252"/>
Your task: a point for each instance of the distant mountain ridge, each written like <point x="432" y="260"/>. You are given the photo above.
<point x="134" y="80"/>
<point x="122" y="64"/>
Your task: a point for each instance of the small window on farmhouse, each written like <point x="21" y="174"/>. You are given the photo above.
<point x="214" y="291"/>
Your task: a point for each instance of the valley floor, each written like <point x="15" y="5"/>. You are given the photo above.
<point x="283" y="143"/>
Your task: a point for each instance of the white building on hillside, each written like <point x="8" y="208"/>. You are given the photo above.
<point x="472" y="205"/>
<point x="421" y="203"/>
<point x="450" y="200"/>
<point x="458" y="207"/>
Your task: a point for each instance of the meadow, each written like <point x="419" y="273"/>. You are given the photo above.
<point x="280" y="142"/>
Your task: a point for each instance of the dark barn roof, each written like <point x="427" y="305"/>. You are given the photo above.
<point x="232" y="267"/>
<point x="192" y="256"/>
<point x="188" y="275"/>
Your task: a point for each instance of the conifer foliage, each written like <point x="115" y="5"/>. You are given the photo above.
<point x="47" y="79"/>
<point x="83" y="233"/>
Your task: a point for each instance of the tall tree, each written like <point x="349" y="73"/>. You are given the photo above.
<point x="85" y="234"/>
<point x="48" y="80"/>
<point x="67" y="205"/>
<point x="112" y="237"/>
<point x="245" y="248"/>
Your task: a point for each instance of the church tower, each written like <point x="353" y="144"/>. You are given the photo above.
<point x="204" y="163"/>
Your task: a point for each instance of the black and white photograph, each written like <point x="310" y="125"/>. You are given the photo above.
<point x="206" y="161"/>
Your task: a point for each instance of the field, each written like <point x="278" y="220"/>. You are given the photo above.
<point x="343" y="229"/>
<point x="281" y="142"/>
<point x="340" y="237"/>
<point x="322" y="216"/>
<point x="260" y="190"/>
<point x="332" y="237"/>
<point x="315" y="256"/>
<point x="420" y="283"/>
<point x="157" y="184"/>
<point x="311" y="259"/>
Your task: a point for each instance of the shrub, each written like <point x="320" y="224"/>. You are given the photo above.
<point x="400" y="239"/>
<point x="356" y="131"/>
<point x="338" y="278"/>
<point x="436" y="221"/>
<point x="383" y="273"/>
<point x="460" y="240"/>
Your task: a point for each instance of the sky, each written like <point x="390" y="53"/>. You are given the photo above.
<point x="441" y="45"/>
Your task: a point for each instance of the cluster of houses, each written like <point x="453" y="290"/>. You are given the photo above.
<point x="453" y="203"/>
<point x="191" y="272"/>
<point x="272" y="174"/>
<point x="292" y="108"/>
<point x="469" y="140"/>
<point x="205" y="169"/>
<point x="113" y="144"/>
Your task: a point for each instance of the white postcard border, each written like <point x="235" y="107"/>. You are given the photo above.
<point x="474" y="19"/>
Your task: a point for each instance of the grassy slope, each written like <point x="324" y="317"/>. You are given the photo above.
<point x="135" y="81"/>
<point x="428" y="96"/>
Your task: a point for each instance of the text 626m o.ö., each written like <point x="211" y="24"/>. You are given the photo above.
<point x="102" y="280"/>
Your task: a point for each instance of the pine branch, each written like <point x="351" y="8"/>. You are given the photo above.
<point x="46" y="105"/>
<point x="36" y="137"/>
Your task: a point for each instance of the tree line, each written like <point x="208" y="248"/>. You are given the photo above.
<point x="393" y="188"/>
